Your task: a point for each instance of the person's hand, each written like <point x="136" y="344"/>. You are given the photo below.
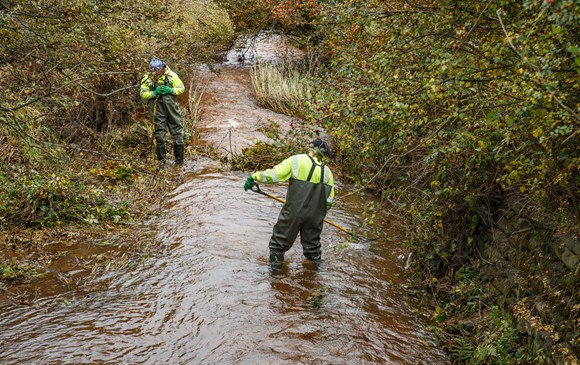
<point x="166" y="90"/>
<point x="157" y="91"/>
<point x="249" y="183"/>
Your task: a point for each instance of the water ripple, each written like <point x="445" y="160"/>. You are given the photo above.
<point x="210" y="298"/>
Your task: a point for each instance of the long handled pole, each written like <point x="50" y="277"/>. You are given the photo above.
<point x="256" y="189"/>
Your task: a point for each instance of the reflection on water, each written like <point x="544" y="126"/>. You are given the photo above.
<point x="210" y="298"/>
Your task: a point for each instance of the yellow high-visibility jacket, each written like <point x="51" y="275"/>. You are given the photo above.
<point x="297" y="167"/>
<point x="169" y="78"/>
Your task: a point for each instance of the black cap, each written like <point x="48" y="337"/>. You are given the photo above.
<point x="321" y="145"/>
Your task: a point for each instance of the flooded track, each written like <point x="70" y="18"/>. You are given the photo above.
<point x="209" y="297"/>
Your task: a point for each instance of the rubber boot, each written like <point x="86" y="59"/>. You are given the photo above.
<point x="276" y="261"/>
<point x="314" y="264"/>
<point x="161" y="153"/>
<point x="178" y="151"/>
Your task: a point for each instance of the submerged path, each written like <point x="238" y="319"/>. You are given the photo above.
<point x="208" y="296"/>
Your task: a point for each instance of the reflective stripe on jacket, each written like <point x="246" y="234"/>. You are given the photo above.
<point x="297" y="167"/>
<point x="168" y="78"/>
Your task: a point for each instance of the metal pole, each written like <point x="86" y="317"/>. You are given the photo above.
<point x="259" y="191"/>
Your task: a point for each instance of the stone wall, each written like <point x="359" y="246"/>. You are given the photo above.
<point x="534" y="272"/>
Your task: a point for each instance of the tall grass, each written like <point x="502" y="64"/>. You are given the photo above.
<point x="197" y="87"/>
<point x="281" y="87"/>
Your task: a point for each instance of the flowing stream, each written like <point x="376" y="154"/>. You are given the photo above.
<point x="208" y="295"/>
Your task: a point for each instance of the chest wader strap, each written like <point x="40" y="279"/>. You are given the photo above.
<point x="314" y="164"/>
<point x="168" y="80"/>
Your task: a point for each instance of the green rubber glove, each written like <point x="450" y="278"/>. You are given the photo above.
<point x="166" y="89"/>
<point x="157" y="91"/>
<point x="249" y="183"/>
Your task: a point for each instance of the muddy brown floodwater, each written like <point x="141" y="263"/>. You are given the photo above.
<point x="209" y="297"/>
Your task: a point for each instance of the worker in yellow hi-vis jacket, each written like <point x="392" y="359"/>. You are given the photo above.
<point x="160" y="86"/>
<point x="310" y="194"/>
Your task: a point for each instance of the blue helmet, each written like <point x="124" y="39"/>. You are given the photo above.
<point x="155" y="64"/>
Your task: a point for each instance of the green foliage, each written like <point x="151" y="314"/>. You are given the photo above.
<point x="70" y="73"/>
<point x="40" y="186"/>
<point x="494" y="342"/>
<point x="289" y="15"/>
<point x="48" y="201"/>
<point x="247" y="15"/>
<point x="476" y="332"/>
<point x="448" y="109"/>
<point x="114" y="171"/>
<point x="82" y="62"/>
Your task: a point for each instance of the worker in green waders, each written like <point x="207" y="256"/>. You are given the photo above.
<point x="310" y="194"/>
<point x="160" y="86"/>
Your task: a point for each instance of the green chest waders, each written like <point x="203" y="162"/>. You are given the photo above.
<point x="167" y="117"/>
<point x="303" y="213"/>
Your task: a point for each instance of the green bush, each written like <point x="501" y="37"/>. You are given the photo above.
<point x="58" y="199"/>
<point x="448" y="109"/>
